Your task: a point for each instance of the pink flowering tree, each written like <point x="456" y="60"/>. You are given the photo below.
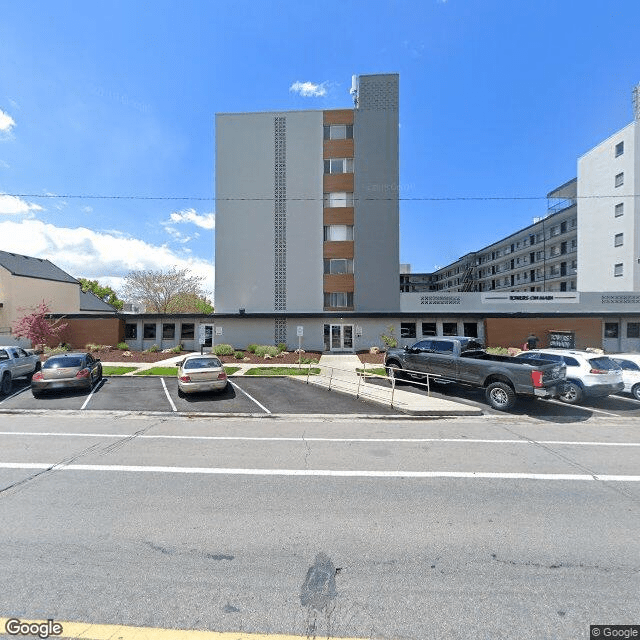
<point x="37" y="326"/>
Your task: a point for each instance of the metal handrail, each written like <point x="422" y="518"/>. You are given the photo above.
<point x="361" y="378"/>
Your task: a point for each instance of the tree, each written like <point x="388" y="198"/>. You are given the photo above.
<point x="189" y="303"/>
<point x="156" y="289"/>
<point x="105" y="293"/>
<point x="35" y="325"/>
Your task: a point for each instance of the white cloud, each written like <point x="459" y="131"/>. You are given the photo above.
<point x="4" y="164"/>
<point x="309" y="89"/>
<point x="204" y="221"/>
<point x="97" y="255"/>
<point x="6" y="122"/>
<point x="12" y="205"/>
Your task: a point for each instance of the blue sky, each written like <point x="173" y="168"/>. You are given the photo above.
<point x="498" y="98"/>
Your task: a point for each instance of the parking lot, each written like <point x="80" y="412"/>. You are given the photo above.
<point x="619" y="406"/>
<point x="260" y="396"/>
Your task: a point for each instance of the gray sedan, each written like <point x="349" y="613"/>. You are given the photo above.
<point x="201" y="373"/>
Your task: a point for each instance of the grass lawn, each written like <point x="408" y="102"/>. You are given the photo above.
<point x="172" y="371"/>
<point x="116" y="371"/>
<point x="281" y="371"/>
<point x="370" y="371"/>
<point x="157" y="371"/>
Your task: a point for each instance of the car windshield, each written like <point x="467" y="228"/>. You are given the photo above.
<point x="603" y="363"/>
<point x="57" y="363"/>
<point x="202" y="363"/>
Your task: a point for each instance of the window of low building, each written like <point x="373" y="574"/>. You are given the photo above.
<point x="449" y="328"/>
<point x="168" y="331"/>
<point x="149" y="331"/>
<point x="130" y="331"/>
<point x="187" y="331"/>
<point x="407" y="329"/>
<point x="429" y="329"/>
<point x="633" y="329"/>
<point x="611" y="329"/>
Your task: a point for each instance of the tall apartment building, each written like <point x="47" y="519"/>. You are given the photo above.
<point x="588" y="241"/>
<point x="307" y="217"/>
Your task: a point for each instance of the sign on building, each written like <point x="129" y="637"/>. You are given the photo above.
<point x="562" y="339"/>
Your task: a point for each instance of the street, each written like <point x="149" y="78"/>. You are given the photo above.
<point x="490" y="527"/>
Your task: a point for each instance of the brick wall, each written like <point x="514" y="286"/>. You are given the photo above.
<point x="81" y="331"/>
<point x="513" y="332"/>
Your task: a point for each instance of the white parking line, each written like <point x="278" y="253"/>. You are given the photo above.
<point x="578" y="406"/>
<point x="93" y="390"/>
<point x="250" y="397"/>
<point x="572" y="443"/>
<point x="17" y="393"/>
<point x="173" y="406"/>
<point x="336" y="473"/>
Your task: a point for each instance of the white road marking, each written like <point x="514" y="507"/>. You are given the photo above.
<point x="335" y="473"/>
<point x="173" y="406"/>
<point x="13" y="395"/>
<point x="581" y="443"/>
<point x="578" y="406"/>
<point x="250" y="397"/>
<point x="93" y="390"/>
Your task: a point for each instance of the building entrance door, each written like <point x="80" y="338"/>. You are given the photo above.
<point x="338" y="337"/>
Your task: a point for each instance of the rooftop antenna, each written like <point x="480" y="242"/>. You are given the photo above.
<point x="354" y="90"/>
<point x="636" y="103"/>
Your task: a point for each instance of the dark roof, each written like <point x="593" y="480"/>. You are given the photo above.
<point x="29" y="267"/>
<point x="90" y="302"/>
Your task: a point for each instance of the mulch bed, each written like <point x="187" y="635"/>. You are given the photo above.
<point x="114" y="355"/>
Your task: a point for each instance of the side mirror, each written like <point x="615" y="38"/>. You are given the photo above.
<point x="179" y="364"/>
<point x="406" y="348"/>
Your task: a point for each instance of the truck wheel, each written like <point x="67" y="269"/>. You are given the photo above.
<point x="394" y="370"/>
<point x="500" y="396"/>
<point x="635" y="391"/>
<point x="571" y="393"/>
<point x="5" y="386"/>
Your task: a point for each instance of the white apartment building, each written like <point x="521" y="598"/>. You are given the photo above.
<point x="589" y="240"/>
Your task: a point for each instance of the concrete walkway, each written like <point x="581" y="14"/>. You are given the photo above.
<point x="338" y="372"/>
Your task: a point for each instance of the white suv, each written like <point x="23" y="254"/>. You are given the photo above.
<point x="630" y="363"/>
<point x="588" y="374"/>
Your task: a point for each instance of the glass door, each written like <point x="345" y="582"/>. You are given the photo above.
<point x="340" y="337"/>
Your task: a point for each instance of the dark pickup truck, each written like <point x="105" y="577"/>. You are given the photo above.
<point x="463" y="360"/>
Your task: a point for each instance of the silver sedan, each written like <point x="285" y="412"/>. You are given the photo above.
<point x="198" y="373"/>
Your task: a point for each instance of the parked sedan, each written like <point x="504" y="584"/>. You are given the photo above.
<point x="67" y="371"/>
<point x="198" y="373"/>
<point x="630" y="365"/>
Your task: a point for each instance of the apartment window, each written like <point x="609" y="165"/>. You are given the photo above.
<point x="563" y="227"/>
<point x="339" y="299"/>
<point x="407" y="329"/>
<point x="338" y="232"/>
<point x="168" y="331"/>
<point x="130" y="331"/>
<point x="633" y="329"/>
<point x="187" y="331"/>
<point x="617" y="269"/>
<point x="149" y="331"/>
<point x="338" y="131"/>
<point x="338" y="199"/>
<point x="610" y="329"/>
<point x="429" y="329"/>
<point x="619" y="179"/>
<point x="619" y="149"/>
<point x="338" y="266"/>
<point x="338" y="165"/>
<point x="619" y="209"/>
<point x="618" y="239"/>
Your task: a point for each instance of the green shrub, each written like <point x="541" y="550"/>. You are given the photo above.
<point x="262" y="350"/>
<point x="389" y="338"/>
<point x="223" y="349"/>
<point x="176" y="349"/>
<point x="252" y="348"/>
<point x="123" y="346"/>
<point x="238" y="355"/>
<point x="152" y="349"/>
<point x="54" y="351"/>
<point x="282" y="346"/>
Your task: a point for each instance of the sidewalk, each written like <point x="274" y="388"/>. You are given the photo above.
<point x="338" y="373"/>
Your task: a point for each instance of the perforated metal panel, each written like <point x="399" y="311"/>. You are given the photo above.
<point x="280" y="214"/>
<point x="280" y="331"/>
